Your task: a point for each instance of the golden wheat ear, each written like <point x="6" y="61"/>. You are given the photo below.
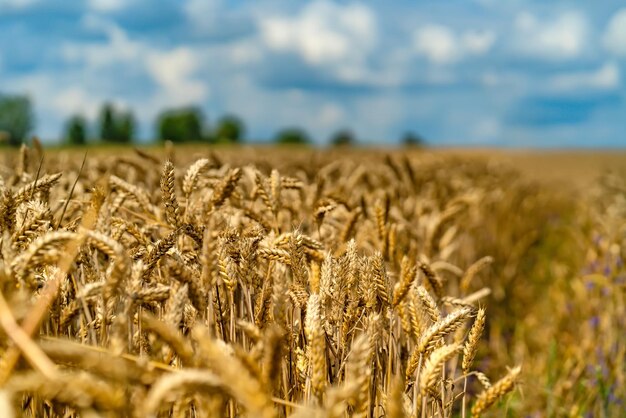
<point x="168" y="194"/>
<point x="490" y="395"/>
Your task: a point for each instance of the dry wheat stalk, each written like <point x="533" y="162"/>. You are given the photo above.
<point x="316" y="345"/>
<point x="191" y="176"/>
<point x="138" y="193"/>
<point x="431" y="371"/>
<point x="489" y="396"/>
<point x="172" y="210"/>
<point x="225" y="188"/>
<point x="473" y="270"/>
<point x="358" y="372"/>
<point x="407" y="275"/>
<point x="79" y="389"/>
<point x="428" y="304"/>
<point x="189" y="379"/>
<point x="471" y="344"/>
<point x="37" y="186"/>
<point x="433" y="335"/>
<point x="236" y="379"/>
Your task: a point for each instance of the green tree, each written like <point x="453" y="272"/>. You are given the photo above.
<point x="115" y="125"/>
<point x="16" y="118"/>
<point x="343" y="138"/>
<point x="76" y="131"/>
<point x="107" y="123"/>
<point x="126" y="127"/>
<point x="181" y="125"/>
<point x="229" y="129"/>
<point x="411" y="139"/>
<point x="292" y="136"/>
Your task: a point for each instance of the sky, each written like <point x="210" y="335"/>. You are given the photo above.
<point x="483" y="73"/>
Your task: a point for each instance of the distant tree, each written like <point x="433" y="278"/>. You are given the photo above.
<point x="344" y="137"/>
<point x="125" y="129"/>
<point x="116" y="126"/>
<point x="229" y="129"/>
<point x="411" y="139"/>
<point x="107" y="123"/>
<point x="76" y="131"/>
<point x="292" y="136"/>
<point x="16" y="118"/>
<point x="181" y="125"/>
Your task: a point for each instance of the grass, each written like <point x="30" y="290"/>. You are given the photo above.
<point x="293" y="282"/>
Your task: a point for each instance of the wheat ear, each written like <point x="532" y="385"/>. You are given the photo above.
<point x="471" y="344"/>
<point x="489" y="396"/>
<point x="473" y="270"/>
<point x="172" y="210"/>
<point x="431" y="371"/>
<point x="316" y="345"/>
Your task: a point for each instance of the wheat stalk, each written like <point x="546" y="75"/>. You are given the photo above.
<point x="489" y="396"/>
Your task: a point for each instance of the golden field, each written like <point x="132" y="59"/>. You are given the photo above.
<point x="275" y="282"/>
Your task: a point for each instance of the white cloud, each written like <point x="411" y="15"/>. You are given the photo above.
<point x="562" y="38"/>
<point x="478" y="42"/>
<point x="106" y="6"/>
<point x="323" y="32"/>
<point x="604" y="78"/>
<point x="615" y="36"/>
<point x="441" y="45"/>
<point x="438" y="43"/>
<point x="118" y="49"/>
<point x="173" y="71"/>
<point x="75" y="100"/>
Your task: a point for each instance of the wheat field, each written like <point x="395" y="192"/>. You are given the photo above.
<point x="280" y="283"/>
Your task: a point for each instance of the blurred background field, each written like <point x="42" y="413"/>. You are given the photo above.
<point x="573" y="169"/>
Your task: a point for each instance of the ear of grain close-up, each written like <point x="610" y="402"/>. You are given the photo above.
<point x="178" y="282"/>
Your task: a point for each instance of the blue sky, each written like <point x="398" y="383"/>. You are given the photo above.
<point x="474" y="72"/>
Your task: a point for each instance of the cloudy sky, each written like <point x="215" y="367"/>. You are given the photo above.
<point x="473" y="72"/>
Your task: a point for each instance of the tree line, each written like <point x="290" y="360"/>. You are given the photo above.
<point x="179" y="125"/>
<point x="185" y="124"/>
